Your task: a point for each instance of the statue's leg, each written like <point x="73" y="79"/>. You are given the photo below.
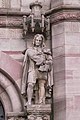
<point x="42" y="91"/>
<point x="30" y="92"/>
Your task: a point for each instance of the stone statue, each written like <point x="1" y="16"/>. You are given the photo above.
<point x="37" y="69"/>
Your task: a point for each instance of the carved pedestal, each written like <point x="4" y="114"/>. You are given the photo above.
<point x="38" y="112"/>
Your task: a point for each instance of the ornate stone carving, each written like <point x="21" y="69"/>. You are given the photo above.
<point x="64" y="13"/>
<point x="10" y="21"/>
<point x="65" y="16"/>
<point x="39" y="112"/>
<point x="37" y="70"/>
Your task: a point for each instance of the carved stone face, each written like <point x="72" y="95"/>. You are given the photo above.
<point x="38" y="41"/>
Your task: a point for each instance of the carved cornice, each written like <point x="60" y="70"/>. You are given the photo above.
<point x="11" y="18"/>
<point x="65" y="16"/>
<point x="11" y="21"/>
<point x="64" y="13"/>
<point x="35" y="109"/>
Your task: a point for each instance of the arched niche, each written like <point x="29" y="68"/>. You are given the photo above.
<point x="10" y="95"/>
<point x="2" y="112"/>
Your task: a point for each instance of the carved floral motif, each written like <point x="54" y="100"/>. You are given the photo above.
<point x="65" y="15"/>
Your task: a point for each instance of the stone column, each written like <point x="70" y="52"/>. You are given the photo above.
<point x="65" y="22"/>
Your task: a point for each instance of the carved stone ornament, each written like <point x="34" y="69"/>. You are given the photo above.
<point x="37" y="72"/>
<point x="39" y="112"/>
<point x="64" y="16"/>
<point x="10" y="21"/>
<point x="38" y="117"/>
<point x="64" y="13"/>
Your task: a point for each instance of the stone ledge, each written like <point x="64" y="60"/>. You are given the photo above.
<point x="39" y="109"/>
<point x="12" y="12"/>
<point x="64" y="13"/>
<point x="61" y="8"/>
<point x="15" y="114"/>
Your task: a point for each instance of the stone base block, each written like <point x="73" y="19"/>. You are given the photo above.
<point x="38" y="112"/>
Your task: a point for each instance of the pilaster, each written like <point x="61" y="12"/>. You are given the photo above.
<point x="65" y="21"/>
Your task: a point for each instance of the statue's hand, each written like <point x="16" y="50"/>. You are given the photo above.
<point x="24" y="64"/>
<point x="39" y="63"/>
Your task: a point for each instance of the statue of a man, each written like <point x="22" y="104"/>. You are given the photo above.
<point x="36" y="68"/>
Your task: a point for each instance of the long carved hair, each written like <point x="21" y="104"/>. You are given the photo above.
<point x="39" y="35"/>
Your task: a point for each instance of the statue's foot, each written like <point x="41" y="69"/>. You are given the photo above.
<point x="28" y="103"/>
<point x="40" y="102"/>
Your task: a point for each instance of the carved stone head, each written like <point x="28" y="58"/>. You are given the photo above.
<point x="38" y="40"/>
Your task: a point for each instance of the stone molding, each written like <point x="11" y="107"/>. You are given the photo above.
<point x="65" y="16"/>
<point x="16" y="116"/>
<point x="38" y="112"/>
<point x="10" y="21"/>
<point x="41" y="109"/>
<point x="11" y="18"/>
<point x="64" y="13"/>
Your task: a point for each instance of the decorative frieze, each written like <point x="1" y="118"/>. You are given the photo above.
<point x="38" y="112"/>
<point x="9" y="18"/>
<point x="65" y="16"/>
<point x="64" y="13"/>
<point x="10" y="21"/>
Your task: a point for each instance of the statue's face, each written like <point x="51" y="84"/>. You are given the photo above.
<point x="38" y="41"/>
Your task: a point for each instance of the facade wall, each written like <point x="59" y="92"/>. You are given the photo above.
<point x="66" y="54"/>
<point x="65" y="33"/>
<point x="59" y="89"/>
<point x="12" y="44"/>
<point x="72" y="50"/>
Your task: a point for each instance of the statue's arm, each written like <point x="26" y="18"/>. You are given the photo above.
<point x="24" y="75"/>
<point x="25" y="58"/>
<point x="35" y="57"/>
<point x="49" y="59"/>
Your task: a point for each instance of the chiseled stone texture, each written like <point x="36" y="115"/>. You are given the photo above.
<point x="58" y="3"/>
<point x="9" y="95"/>
<point x="16" y="4"/>
<point x="72" y="2"/>
<point x="66" y="56"/>
<point x="25" y="5"/>
<point x="4" y="3"/>
<point x="55" y="3"/>
<point x="10" y="4"/>
<point x="10" y="83"/>
<point x="72" y="67"/>
<point x="10" y="65"/>
<point x="12" y="42"/>
<point x="11" y="39"/>
<point x="59" y="91"/>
